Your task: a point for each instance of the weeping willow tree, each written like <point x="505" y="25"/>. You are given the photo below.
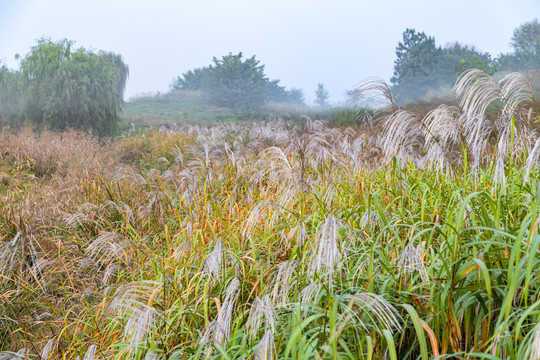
<point x="81" y="89"/>
<point x="10" y="92"/>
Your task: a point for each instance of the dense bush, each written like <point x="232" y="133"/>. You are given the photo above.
<point x="236" y="83"/>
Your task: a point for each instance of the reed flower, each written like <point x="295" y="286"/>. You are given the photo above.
<point x="266" y="348"/>
<point x="326" y="255"/>
<point x="280" y="293"/>
<point x="364" y="306"/>
<point x="47" y="350"/>
<point x="411" y="261"/>
<point x="219" y="329"/>
<point x="212" y="264"/>
<point x="535" y="344"/>
<point x="21" y="354"/>
<point x="139" y="325"/>
<point x="262" y="311"/>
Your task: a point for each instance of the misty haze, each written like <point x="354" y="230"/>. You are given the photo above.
<point x="269" y="180"/>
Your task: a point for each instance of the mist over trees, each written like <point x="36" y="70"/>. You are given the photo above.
<point x="526" y="44"/>
<point x="423" y="69"/>
<point x="236" y="83"/>
<point x="58" y="87"/>
<point x="321" y="95"/>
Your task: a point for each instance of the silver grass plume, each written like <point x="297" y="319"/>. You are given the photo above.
<point x="532" y="160"/>
<point x="374" y="90"/>
<point x="126" y="173"/>
<point x="478" y="131"/>
<point x="326" y="255"/>
<point x="256" y="216"/>
<point x="108" y="246"/>
<point x="261" y="309"/>
<point x="21" y="354"/>
<point x="121" y="208"/>
<point x="219" y="329"/>
<point x="477" y="90"/>
<point x="46" y="352"/>
<point x="329" y="195"/>
<point x="151" y="356"/>
<point x="266" y="349"/>
<point x="90" y="353"/>
<point x="134" y="297"/>
<point x="181" y="250"/>
<point x="111" y="271"/>
<point x="139" y="325"/>
<point x="381" y="314"/>
<point x="443" y="129"/>
<point x="516" y="90"/>
<point x="410" y="261"/>
<point x="499" y="334"/>
<point x="13" y="254"/>
<point x="535" y="344"/>
<point x="289" y="193"/>
<point x="499" y="177"/>
<point x="282" y="284"/>
<point x="81" y="216"/>
<point x="178" y="155"/>
<point x="300" y="232"/>
<point x="309" y="295"/>
<point x="212" y="264"/>
<point x="370" y="219"/>
<point x="403" y="134"/>
<point x="274" y="166"/>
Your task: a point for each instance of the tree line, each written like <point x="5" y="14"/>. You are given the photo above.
<point x="421" y="67"/>
<point x="57" y="86"/>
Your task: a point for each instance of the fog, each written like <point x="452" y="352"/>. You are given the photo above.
<point x="302" y="43"/>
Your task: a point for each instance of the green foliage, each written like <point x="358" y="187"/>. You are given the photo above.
<point x="192" y="80"/>
<point x="295" y="96"/>
<point x="476" y="62"/>
<point x="526" y="44"/>
<point x="58" y="87"/>
<point x="422" y="67"/>
<point x="236" y="83"/>
<point x="526" y="37"/>
<point x="351" y="117"/>
<point x="321" y="95"/>
<point x="10" y="93"/>
<point x="186" y="107"/>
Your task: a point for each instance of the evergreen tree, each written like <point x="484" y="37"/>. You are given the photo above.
<point x="321" y="95"/>
<point x="422" y="67"/>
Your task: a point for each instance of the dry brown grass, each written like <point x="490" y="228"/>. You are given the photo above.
<point x="40" y="173"/>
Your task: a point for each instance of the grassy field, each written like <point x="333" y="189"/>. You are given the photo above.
<point x="406" y="238"/>
<point x="191" y="107"/>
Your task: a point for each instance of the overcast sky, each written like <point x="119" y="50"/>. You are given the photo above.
<point x="301" y="42"/>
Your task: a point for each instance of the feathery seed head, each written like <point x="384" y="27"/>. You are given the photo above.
<point x="212" y="265"/>
<point x="326" y="254"/>
<point x="261" y="308"/>
<point x="411" y="261"/>
<point x="535" y="344"/>
<point x="266" y="348"/>
<point x="46" y="352"/>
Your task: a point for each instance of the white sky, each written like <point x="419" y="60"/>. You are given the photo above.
<point x="301" y="42"/>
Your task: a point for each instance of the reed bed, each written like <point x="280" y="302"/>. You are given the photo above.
<point x="405" y="238"/>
